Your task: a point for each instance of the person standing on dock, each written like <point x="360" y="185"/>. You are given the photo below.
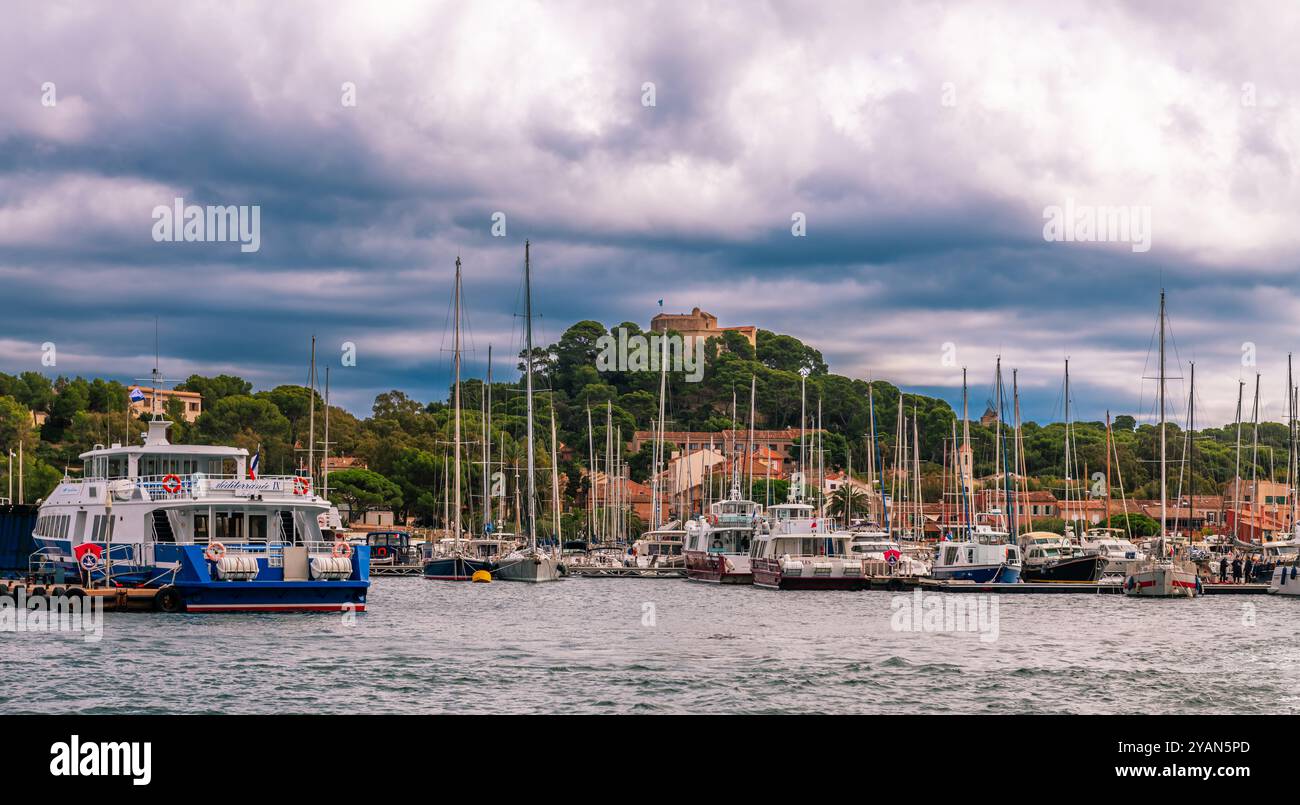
<point x="1250" y="569"/>
<point x="1236" y="569"/>
<point x="1223" y="569"/>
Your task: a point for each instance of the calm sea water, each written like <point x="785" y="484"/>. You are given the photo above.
<point x="669" y="646"/>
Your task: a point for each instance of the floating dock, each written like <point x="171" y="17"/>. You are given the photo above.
<point x="1032" y="588"/>
<point x="396" y="570"/>
<point x="602" y="572"/>
<point x="115" y="599"/>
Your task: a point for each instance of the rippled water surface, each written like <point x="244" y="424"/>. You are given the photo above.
<point x="669" y="646"/>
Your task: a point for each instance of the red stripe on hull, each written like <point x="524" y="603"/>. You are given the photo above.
<point x="275" y="608"/>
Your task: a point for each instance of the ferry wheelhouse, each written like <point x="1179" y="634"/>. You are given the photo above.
<point x="801" y="551"/>
<point x="717" y="545"/>
<point x="188" y="521"/>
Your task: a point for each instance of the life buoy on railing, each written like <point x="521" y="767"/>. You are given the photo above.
<point x="301" y="485"/>
<point x="342" y="550"/>
<point x="381" y="551"/>
<point x="171" y="484"/>
<point x="215" y="552"/>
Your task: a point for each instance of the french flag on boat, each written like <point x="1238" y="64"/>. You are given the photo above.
<point x="252" y="465"/>
<point x="136" y="394"/>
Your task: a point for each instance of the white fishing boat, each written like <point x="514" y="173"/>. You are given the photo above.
<point x="717" y="544"/>
<point x="799" y="550"/>
<point x="1122" y="556"/>
<point x="663" y="547"/>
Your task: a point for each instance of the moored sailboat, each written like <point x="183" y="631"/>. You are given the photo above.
<point x="529" y="563"/>
<point x="1162" y="575"/>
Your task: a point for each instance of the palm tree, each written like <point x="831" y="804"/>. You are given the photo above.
<point x="847" y="499"/>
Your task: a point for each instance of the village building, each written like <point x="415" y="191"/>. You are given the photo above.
<point x="157" y="399"/>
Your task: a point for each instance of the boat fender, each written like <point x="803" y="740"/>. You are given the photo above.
<point x="1293" y="572"/>
<point x="1130" y="584"/>
<point x="481" y="577"/>
<point x="1198" y="585"/>
<point x="168" y="599"/>
<point x="215" y="552"/>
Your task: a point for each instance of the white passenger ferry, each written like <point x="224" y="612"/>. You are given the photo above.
<point x="192" y="522"/>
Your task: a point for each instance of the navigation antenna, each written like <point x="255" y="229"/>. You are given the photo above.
<point x="155" y="380"/>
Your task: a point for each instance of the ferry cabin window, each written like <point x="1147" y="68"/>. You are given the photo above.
<point x="950" y="556"/>
<point x="168" y="465"/>
<point x="257" y="528"/>
<point x="229" y="526"/>
<point x="201" y="533"/>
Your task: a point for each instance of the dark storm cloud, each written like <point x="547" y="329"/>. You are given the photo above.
<point x="924" y="218"/>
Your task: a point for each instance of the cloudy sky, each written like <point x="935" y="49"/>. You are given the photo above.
<point x="922" y="143"/>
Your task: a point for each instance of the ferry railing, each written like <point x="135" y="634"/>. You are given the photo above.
<point x="176" y="486"/>
<point x="172" y="486"/>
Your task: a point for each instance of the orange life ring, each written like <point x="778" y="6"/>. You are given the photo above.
<point x="171" y="484"/>
<point x="342" y="550"/>
<point x="215" y="552"/>
<point x="381" y="551"/>
<point x="301" y="485"/>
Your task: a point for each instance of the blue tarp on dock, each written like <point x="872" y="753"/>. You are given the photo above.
<point x="16" y="524"/>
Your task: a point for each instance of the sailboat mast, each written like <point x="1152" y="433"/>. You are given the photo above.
<point x="803" y="433"/>
<point x="1236" y="472"/>
<point x="311" y="415"/>
<point x="658" y="451"/>
<point x="1068" y="477"/>
<point x="1163" y="496"/>
<point x="1254" y="462"/>
<point x="1191" y="448"/>
<point x="325" y="460"/>
<point x="555" y="482"/>
<point x="455" y="359"/>
<point x="749" y="451"/>
<point x="528" y="388"/>
<point x="487" y="446"/>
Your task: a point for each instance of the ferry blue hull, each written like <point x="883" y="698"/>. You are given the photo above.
<point x="980" y="574"/>
<point x="456" y="568"/>
<point x="185" y="569"/>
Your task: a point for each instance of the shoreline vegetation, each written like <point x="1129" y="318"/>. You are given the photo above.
<point x="404" y="444"/>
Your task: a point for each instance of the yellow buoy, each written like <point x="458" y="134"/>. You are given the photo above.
<point x="481" y="576"/>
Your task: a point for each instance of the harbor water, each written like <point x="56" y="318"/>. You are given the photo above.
<point x="670" y="646"/>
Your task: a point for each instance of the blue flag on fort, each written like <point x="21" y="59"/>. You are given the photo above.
<point x="136" y="394"/>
